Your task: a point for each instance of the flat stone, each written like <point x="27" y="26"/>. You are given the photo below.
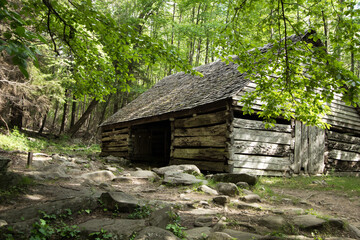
<point x="180" y="178"/>
<point x="294" y="211"/>
<point x="244" y="205"/>
<point x="272" y="222"/>
<point x="99" y="176"/>
<point x="354" y="231"/>
<point x="251" y="198"/>
<point x="161" y="218"/>
<point x="150" y="175"/>
<point x="3" y="223"/>
<point x="221" y="200"/>
<point x="235" y="178"/>
<point x="204" y="221"/>
<point x="121" y="228"/>
<point x="57" y="157"/>
<point x="308" y="221"/>
<point x="208" y="190"/>
<point x="219" y="236"/>
<point x="243" y="185"/>
<point x="184" y="168"/>
<point x="202" y="211"/>
<point x="198" y="233"/>
<point x="155" y="233"/>
<point x="229" y="189"/>
<point x="241" y="235"/>
<point x="220" y="225"/>
<point x="120" y="201"/>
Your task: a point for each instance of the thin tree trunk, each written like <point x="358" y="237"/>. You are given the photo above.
<point x="325" y="30"/>
<point x="73" y="112"/>
<point x="197" y="61"/>
<point x="55" y="114"/>
<point x="74" y="129"/>
<point x="62" y="127"/>
<point x="103" y="111"/>
<point x="43" y="124"/>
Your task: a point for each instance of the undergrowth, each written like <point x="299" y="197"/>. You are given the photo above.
<point x="17" y="140"/>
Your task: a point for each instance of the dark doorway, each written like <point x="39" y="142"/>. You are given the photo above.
<point x="151" y="143"/>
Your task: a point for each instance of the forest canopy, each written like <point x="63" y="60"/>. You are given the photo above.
<point x="87" y="59"/>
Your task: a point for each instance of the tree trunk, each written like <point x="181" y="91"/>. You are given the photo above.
<point x="43" y="124"/>
<point x="74" y="129"/>
<point x="62" y="127"/>
<point x="103" y="111"/>
<point x="55" y="114"/>
<point x="73" y="112"/>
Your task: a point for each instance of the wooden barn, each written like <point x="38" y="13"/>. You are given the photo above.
<point x="186" y="119"/>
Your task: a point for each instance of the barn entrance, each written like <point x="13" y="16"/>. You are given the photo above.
<point x="151" y="143"/>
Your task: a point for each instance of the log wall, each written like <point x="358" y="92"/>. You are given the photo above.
<point x="343" y="154"/>
<point x="201" y="140"/>
<point x="257" y="150"/>
<point x="115" y="142"/>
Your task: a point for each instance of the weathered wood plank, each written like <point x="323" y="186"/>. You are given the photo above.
<point x="239" y="158"/>
<point x="202" y="165"/>
<point x="115" y="132"/>
<point x="217" y="130"/>
<point x="116" y="154"/>
<point x="343" y="146"/>
<point x="344" y="156"/>
<point x="209" y="154"/>
<point x="252" y="124"/>
<point x="342" y="124"/>
<point x="348" y="110"/>
<point x="115" y="137"/>
<point x="297" y="148"/>
<point x="262" y="166"/>
<point x="316" y="150"/>
<point x="259" y="172"/>
<point x="345" y="174"/>
<point x="339" y="165"/>
<point x="260" y="148"/>
<point x="120" y="149"/>
<point x="115" y="144"/>
<point x="341" y="137"/>
<point x="261" y="136"/>
<point x="354" y="121"/>
<point x="202" y="120"/>
<point x="203" y="141"/>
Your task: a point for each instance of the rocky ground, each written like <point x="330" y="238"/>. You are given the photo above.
<point x="108" y="199"/>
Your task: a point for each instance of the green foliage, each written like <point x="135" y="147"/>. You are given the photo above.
<point x="141" y="212"/>
<point x="20" y="186"/>
<point x="102" y="234"/>
<point x="175" y="227"/>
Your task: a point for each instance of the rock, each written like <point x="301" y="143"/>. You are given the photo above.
<point x="208" y="190"/>
<point x="294" y="211"/>
<point x="99" y="176"/>
<point x="336" y="223"/>
<point x="220" y="225"/>
<point x="184" y="197"/>
<point x="161" y="218"/>
<point x="203" y="211"/>
<point x="243" y="185"/>
<point x="204" y="203"/>
<point x="145" y="174"/>
<point x="81" y="161"/>
<point x="199" y="233"/>
<point x="251" y="198"/>
<point x="272" y="222"/>
<point x="204" y="221"/>
<point x="354" y="231"/>
<point x="57" y="157"/>
<point x="50" y="172"/>
<point x="244" y="205"/>
<point x="241" y="235"/>
<point x="221" y="200"/>
<point x="287" y="200"/>
<point x="184" y="168"/>
<point x="155" y="233"/>
<point x="179" y="178"/>
<point x="308" y="222"/>
<point x="120" y="201"/>
<point x="235" y="178"/>
<point x="219" y="236"/>
<point x="3" y="223"/>
<point x="246" y="191"/>
<point x="4" y="164"/>
<point x="117" y="160"/>
<point x="121" y="228"/>
<point x="229" y="189"/>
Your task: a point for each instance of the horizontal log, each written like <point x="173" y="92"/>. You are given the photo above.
<point x="203" y="141"/>
<point x="260" y="148"/>
<point x="115" y="144"/>
<point x="115" y="154"/>
<point x="344" y="156"/>
<point x="259" y="125"/>
<point x="343" y="146"/>
<point x="202" y="165"/>
<point x="115" y="149"/>
<point x="261" y="136"/>
<point x="339" y="165"/>
<point x="217" y="130"/>
<point x="115" y="137"/>
<point x="239" y="158"/>
<point x="202" y="120"/>
<point x="259" y="172"/>
<point x="339" y="108"/>
<point x="353" y="121"/>
<point x="206" y="154"/>
<point x="341" y="137"/>
<point x="342" y="124"/>
<point x="262" y="166"/>
<point x="114" y="132"/>
<point x="345" y="174"/>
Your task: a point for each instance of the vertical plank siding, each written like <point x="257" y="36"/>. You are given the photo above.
<point x="201" y="140"/>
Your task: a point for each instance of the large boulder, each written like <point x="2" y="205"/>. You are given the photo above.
<point x="199" y="233"/>
<point x="308" y="222"/>
<point x="155" y="233"/>
<point x="185" y="168"/>
<point x="161" y="218"/>
<point x="120" y="201"/>
<point x="234" y="178"/>
<point x="150" y="175"/>
<point x="99" y="176"/>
